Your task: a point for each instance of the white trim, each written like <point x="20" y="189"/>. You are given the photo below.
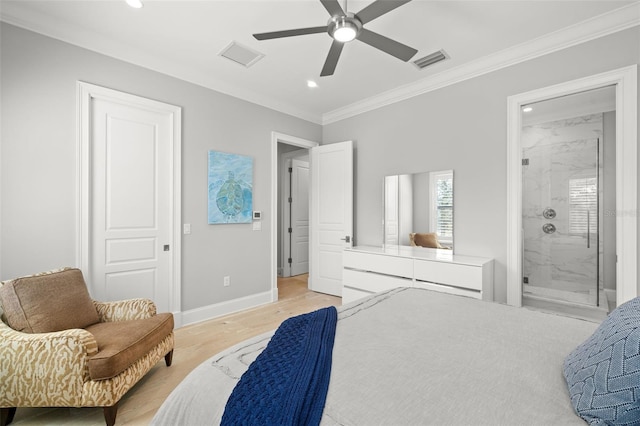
<point x="290" y="140"/>
<point x="625" y="80"/>
<point x="85" y="93"/>
<point x="205" y="313"/>
<point x="596" y="27"/>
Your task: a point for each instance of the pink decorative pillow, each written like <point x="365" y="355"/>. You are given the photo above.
<point x="51" y="301"/>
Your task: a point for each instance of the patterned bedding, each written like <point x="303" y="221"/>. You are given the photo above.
<point x="417" y="357"/>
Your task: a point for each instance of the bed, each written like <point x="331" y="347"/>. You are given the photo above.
<point x="414" y="357"/>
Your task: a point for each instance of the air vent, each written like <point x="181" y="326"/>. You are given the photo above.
<point x="431" y="59"/>
<point x="241" y="54"/>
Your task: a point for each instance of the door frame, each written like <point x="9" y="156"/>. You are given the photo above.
<point x="85" y="93"/>
<point x="625" y="81"/>
<point x="289" y="140"/>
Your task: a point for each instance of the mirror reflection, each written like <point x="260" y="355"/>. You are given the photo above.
<point x="418" y="210"/>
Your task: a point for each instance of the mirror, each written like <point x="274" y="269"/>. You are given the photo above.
<point x="420" y="204"/>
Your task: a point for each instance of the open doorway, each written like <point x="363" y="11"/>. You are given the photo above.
<point x="568" y="194"/>
<point x="293" y="211"/>
<point x="624" y="81"/>
<point x="293" y="220"/>
<point x="289" y="152"/>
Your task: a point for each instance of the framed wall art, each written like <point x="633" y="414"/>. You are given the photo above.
<point x="230" y="188"/>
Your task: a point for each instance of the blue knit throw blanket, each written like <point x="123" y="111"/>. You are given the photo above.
<point x="287" y="383"/>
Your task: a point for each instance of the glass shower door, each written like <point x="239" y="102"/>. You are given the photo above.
<point x="560" y="221"/>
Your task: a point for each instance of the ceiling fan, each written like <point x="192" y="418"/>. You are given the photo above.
<point x="345" y="26"/>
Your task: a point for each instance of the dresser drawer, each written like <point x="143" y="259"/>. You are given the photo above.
<point x="372" y="282"/>
<point x="458" y="275"/>
<point x="389" y="265"/>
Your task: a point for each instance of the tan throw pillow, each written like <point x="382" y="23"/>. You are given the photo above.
<point x="429" y="240"/>
<point x="53" y="301"/>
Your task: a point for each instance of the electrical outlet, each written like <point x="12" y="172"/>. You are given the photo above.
<point x="227" y="281"/>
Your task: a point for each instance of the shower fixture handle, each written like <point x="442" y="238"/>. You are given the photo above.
<point x="549" y="213"/>
<point x="548" y="228"/>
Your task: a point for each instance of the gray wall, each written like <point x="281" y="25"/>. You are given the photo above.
<point x="38" y="164"/>
<point x="464" y="127"/>
<point x="460" y="127"/>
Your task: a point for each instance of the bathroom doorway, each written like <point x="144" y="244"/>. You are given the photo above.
<point x="568" y="189"/>
<point x="624" y="184"/>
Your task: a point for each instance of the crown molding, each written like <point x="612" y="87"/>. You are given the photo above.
<point x="591" y="29"/>
<point x="42" y="24"/>
<point x="596" y="27"/>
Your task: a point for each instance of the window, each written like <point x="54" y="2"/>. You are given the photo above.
<point x="442" y="205"/>
<point x="583" y="206"/>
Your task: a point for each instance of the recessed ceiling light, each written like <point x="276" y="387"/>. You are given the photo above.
<point x="527" y="109"/>
<point x="311" y="83"/>
<point x="137" y="4"/>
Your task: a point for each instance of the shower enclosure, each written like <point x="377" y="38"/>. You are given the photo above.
<point x="561" y="210"/>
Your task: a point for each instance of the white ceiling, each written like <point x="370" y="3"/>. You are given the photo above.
<point x="183" y="39"/>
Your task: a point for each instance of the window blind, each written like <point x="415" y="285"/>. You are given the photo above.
<point x="444" y="206"/>
<point x="583" y="206"/>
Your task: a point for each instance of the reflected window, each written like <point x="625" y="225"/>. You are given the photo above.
<point x="442" y="205"/>
<point x="583" y="204"/>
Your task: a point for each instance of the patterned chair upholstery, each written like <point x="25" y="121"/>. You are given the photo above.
<point x="60" y="348"/>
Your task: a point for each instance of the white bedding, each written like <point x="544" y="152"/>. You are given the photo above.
<point x="417" y="357"/>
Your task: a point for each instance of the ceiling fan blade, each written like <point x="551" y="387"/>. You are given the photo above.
<point x="332" y="59"/>
<point x="378" y="8"/>
<point x="290" y="33"/>
<point x="333" y="7"/>
<point x="392" y="47"/>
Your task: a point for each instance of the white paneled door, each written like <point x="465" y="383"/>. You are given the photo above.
<point x="299" y="217"/>
<point x="131" y="213"/>
<point x="331" y="214"/>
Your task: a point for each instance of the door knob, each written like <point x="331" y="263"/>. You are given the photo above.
<point x="346" y="239"/>
<point x="548" y="228"/>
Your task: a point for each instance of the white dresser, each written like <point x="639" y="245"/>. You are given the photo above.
<point x="369" y="270"/>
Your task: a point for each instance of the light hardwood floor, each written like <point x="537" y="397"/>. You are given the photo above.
<point x="193" y="345"/>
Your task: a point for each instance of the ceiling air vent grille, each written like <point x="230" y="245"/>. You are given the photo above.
<point x="241" y="54"/>
<point x="431" y="59"/>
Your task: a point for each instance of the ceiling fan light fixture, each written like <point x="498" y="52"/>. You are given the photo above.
<point x="345" y="32"/>
<point x="344" y="28"/>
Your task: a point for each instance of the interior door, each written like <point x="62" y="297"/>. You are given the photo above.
<point x="331" y="214"/>
<point x="131" y="207"/>
<point x="299" y="217"/>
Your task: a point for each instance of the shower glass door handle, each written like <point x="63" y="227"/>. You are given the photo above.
<point x="588" y="229"/>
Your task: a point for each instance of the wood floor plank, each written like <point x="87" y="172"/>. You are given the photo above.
<point x="194" y="344"/>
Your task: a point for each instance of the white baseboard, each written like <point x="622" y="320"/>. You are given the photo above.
<point x="223" y="308"/>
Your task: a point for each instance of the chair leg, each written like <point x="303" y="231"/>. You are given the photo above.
<point x="168" y="358"/>
<point x="6" y="415"/>
<point x="110" y="414"/>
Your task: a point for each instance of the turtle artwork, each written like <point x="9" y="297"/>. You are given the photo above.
<point x="230" y="188"/>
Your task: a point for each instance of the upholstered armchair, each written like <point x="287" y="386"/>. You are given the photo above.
<point x="60" y="348"/>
